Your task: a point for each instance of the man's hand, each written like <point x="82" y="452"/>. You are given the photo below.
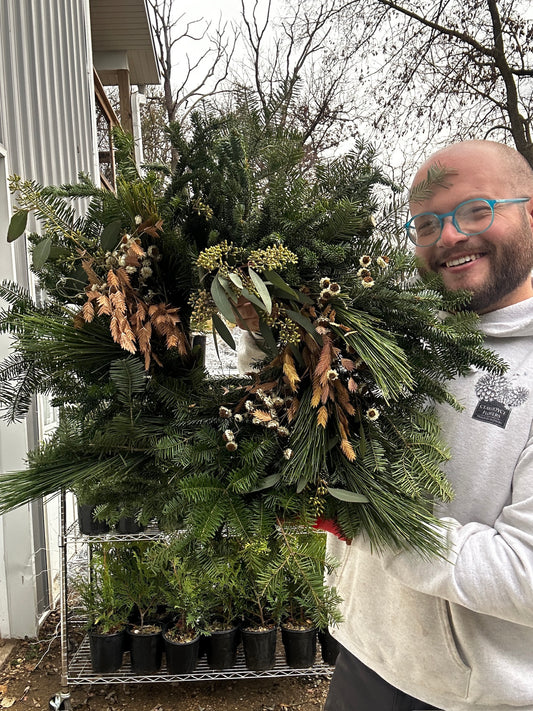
<point x="248" y="316"/>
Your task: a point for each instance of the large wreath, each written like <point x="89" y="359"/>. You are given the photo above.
<point x="335" y="422"/>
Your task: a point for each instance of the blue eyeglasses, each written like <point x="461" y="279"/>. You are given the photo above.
<point x="471" y="217"/>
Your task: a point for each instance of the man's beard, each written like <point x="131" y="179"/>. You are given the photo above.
<point x="511" y="266"/>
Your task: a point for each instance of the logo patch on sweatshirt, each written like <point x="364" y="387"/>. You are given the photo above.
<point x="497" y="396"/>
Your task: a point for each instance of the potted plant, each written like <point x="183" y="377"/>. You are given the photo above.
<point x="224" y="597"/>
<point x="141" y="587"/>
<point x="309" y="603"/>
<point x="183" y="582"/>
<point x="264" y="595"/>
<point x="105" y="608"/>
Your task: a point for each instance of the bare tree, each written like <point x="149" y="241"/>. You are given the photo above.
<point x="462" y="68"/>
<point x="299" y="69"/>
<point x="202" y="72"/>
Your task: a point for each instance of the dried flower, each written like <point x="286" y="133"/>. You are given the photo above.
<point x="224" y="412"/>
<point x="326" y="294"/>
<point x="228" y="435"/>
<point x="383" y="261"/>
<point x="372" y="413"/>
<point x="367" y="282"/>
<point x="287" y="453"/>
<point x="365" y="260"/>
<point x="138" y="219"/>
<point x="146" y="272"/>
<point x="364" y="273"/>
<point x="238" y="418"/>
<point x="332" y="375"/>
<point x="231" y="446"/>
<point x="325" y="282"/>
<point x="334" y="287"/>
<point x="283" y="431"/>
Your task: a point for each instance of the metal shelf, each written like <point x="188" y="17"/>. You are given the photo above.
<point x="151" y="533"/>
<point x="77" y="669"/>
<point x="80" y="671"/>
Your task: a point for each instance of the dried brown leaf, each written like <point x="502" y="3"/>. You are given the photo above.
<point x="326" y="356"/>
<point x="353" y="387"/>
<point x="262" y="415"/>
<point x="88" y="312"/>
<point x="289" y="369"/>
<point x="322" y="416"/>
<point x="104" y="305"/>
<point x="86" y="265"/>
<point x="293" y="409"/>
<point x="317" y="394"/>
<point x="112" y="279"/>
<point x="348" y="450"/>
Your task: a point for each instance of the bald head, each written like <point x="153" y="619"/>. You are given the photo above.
<point x="511" y="164"/>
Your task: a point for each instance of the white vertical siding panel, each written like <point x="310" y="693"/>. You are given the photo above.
<point x="48" y="89"/>
<point x="47" y="125"/>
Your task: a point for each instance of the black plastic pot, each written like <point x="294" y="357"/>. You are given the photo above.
<point x="259" y="648"/>
<point x="221" y="648"/>
<point x="329" y="647"/>
<point x="107" y="651"/>
<point x="86" y="522"/>
<point x="182" y="657"/>
<point x="300" y="647"/>
<point x="146" y="651"/>
<point x="127" y="524"/>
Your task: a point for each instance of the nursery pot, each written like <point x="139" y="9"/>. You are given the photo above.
<point x="329" y="647"/>
<point x="221" y="648"/>
<point x="86" y="522"/>
<point x="128" y="524"/>
<point x="300" y="647"/>
<point x="146" y="650"/>
<point x="182" y="657"/>
<point x="106" y="651"/>
<point x="259" y="648"/>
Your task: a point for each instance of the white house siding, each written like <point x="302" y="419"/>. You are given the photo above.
<point x="47" y="134"/>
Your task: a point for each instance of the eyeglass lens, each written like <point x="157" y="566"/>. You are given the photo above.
<point x="470" y="218"/>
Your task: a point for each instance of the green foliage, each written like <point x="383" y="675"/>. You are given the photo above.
<point x="99" y="593"/>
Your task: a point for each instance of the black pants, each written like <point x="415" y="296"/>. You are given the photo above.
<point x="355" y="687"/>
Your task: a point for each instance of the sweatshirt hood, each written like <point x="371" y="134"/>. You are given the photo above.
<point x="515" y="320"/>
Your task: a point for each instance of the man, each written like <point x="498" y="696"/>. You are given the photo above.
<point x="457" y="634"/>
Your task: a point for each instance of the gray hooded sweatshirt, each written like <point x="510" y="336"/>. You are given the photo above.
<point x="458" y="633"/>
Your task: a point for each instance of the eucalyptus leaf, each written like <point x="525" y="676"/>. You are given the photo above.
<point x="235" y="278"/>
<point x="302" y="483"/>
<point x="221" y="300"/>
<point x="262" y="290"/>
<point x="252" y="299"/>
<point x="223" y="331"/>
<point x="268" y="336"/>
<point x="17" y="225"/>
<point x="110" y="235"/>
<point x="41" y="252"/>
<point x="345" y="495"/>
<point x="56" y="252"/>
<point x="267" y="482"/>
<point x="305" y="323"/>
<point x="277" y="281"/>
